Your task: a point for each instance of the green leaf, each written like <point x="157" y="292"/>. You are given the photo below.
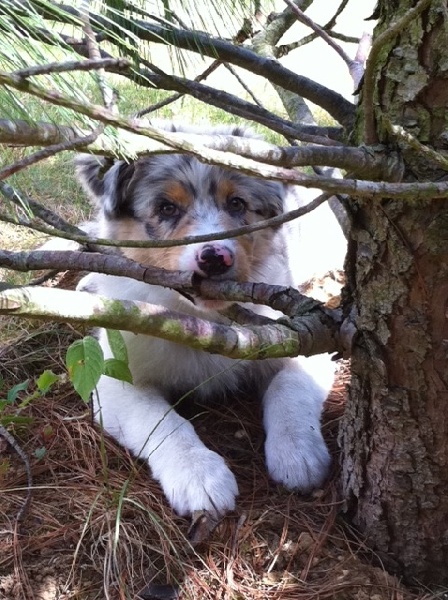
<point x="46" y="380"/>
<point x="117" y="345"/>
<point x="15" y="390"/>
<point x="85" y="362"/>
<point x="117" y="369"/>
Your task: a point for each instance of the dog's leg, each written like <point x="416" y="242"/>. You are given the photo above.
<point x="192" y="476"/>
<point x="296" y="453"/>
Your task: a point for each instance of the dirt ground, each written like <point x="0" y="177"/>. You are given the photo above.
<point x="97" y="527"/>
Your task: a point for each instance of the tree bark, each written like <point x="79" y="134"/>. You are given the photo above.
<point x="394" y="436"/>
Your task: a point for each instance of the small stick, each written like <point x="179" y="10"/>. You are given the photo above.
<point x="4" y="433"/>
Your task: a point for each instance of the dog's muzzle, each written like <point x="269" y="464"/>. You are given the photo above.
<point x="214" y="259"/>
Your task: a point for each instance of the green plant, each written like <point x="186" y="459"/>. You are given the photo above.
<point x="86" y="363"/>
<point x="43" y="384"/>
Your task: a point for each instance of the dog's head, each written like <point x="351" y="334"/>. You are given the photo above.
<point x="174" y="196"/>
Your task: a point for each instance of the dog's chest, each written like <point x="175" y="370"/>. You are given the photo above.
<point x="179" y="370"/>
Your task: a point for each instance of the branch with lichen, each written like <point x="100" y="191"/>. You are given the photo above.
<point x="275" y="340"/>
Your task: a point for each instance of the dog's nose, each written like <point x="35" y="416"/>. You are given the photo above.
<point x="214" y="259"/>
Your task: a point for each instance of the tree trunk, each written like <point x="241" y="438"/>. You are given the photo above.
<point x="394" y="436"/>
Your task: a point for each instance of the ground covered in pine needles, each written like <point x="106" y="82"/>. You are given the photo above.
<point x="95" y="526"/>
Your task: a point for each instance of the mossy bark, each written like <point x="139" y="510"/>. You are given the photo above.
<point x="395" y="432"/>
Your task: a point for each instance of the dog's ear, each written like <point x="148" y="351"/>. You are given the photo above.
<point x="241" y="131"/>
<point x="108" y="183"/>
<point x="88" y="169"/>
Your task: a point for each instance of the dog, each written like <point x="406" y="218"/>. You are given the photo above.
<point x="170" y="197"/>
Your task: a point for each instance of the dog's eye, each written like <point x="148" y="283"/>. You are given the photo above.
<point x="236" y="205"/>
<point x="168" y="209"/>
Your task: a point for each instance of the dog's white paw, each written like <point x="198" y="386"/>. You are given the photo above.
<point x="198" y="480"/>
<point x="299" y="461"/>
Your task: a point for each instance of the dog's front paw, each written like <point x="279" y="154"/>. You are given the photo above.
<point x="198" y="480"/>
<point x="299" y="461"/>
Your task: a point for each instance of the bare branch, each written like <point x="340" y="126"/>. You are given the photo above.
<point x="108" y="94"/>
<point x="248" y="166"/>
<point x="243" y="84"/>
<point x="362" y="161"/>
<point x="67" y="231"/>
<point x="352" y="187"/>
<point x="223" y="100"/>
<point x="38" y="260"/>
<point x="233" y="104"/>
<point x="278" y="24"/>
<point x="283" y="50"/>
<point x="18" y="132"/>
<point x="74" y="65"/>
<point x="32" y="159"/>
<point x="287" y="300"/>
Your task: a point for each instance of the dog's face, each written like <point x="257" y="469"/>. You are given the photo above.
<point x="175" y="196"/>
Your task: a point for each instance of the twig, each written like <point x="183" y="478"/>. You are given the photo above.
<point x="319" y="31"/>
<point x="83" y="239"/>
<point x="285" y="49"/>
<point x="52" y="150"/>
<point x="243" y="84"/>
<point x="215" y="64"/>
<point x="232" y="104"/>
<point x="225" y="159"/>
<point x="404" y="137"/>
<point x="44" y="213"/>
<point x="370" y="134"/>
<point x="18" y="132"/>
<point x="209" y="156"/>
<point x="228" y="102"/>
<point x="355" y="67"/>
<point x="210" y="69"/>
<point x="43" y="278"/>
<point x="40" y="133"/>
<point x="108" y="94"/>
<point x="73" y="65"/>
<point x="4" y="433"/>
